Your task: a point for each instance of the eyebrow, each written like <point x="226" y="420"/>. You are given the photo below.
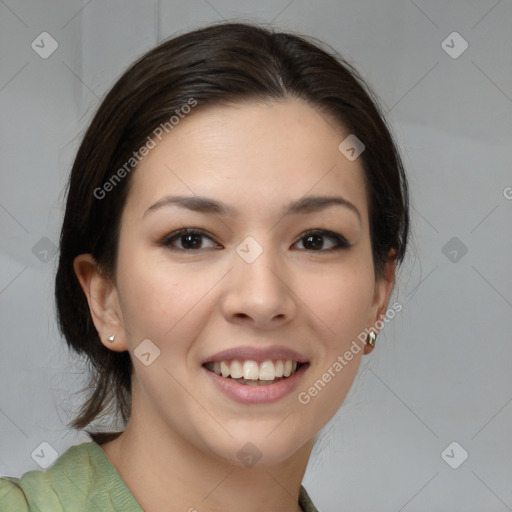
<point x="206" y="205"/>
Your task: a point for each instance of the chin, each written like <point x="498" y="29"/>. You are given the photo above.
<point x="255" y="446"/>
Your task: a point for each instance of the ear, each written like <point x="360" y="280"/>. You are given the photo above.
<point x="102" y="297"/>
<point x="382" y="292"/>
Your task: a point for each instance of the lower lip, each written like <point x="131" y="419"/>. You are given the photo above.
<point x="257" y="394"/>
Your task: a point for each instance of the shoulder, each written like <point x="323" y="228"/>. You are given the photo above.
<point x="305" y="503"/>
<point x="11" y="496"/>
<point x="53" y="489"/>
<point x="81" y="479"/>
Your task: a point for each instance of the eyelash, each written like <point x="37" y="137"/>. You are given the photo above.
<point x="340" y="241"/>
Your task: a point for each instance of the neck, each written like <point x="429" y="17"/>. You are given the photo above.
<point x="165" y="472"/>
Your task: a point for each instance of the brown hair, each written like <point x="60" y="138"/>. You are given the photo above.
<point x="228" y="62"/>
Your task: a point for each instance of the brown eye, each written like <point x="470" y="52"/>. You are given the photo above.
<point x="189" y="239"/>
<point x="314" y="241"/>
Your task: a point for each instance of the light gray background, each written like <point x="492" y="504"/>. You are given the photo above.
<point x="441" y="371"/>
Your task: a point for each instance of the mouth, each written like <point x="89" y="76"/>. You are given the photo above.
<point x="254" y="373"/>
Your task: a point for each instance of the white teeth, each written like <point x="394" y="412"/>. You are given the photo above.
<point x="224" y="368"/>
<point x="267" y="371"/>
<point x="251" y="370"/>
<point x="279" y="368"/>
<point x="237" y="371"/>
<point x="254" y="371"/>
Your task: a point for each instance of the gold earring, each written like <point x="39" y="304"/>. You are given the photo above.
<point x="111" y="339"/>
<point x="371" y="339"/>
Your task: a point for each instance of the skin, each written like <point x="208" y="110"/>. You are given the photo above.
<point x="180" y="447"/>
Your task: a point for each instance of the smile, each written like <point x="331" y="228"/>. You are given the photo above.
<point x="254" y="373"/>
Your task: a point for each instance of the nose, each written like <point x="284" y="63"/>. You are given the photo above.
<point x="259" y="293"/>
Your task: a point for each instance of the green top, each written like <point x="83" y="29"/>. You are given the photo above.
<point x="82" y="479"/>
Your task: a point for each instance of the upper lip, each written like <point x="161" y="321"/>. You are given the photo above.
<point x="256" y="354"/>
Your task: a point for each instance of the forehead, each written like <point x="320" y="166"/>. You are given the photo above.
<point x="255" y="156"/>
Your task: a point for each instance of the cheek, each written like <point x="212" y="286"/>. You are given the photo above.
<point x="153" y="305"/>
<point x="144" y="292"/>
<point x="342" y="298"/>
<point x="160" y="300"/>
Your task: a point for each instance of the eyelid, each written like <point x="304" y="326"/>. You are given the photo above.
<point x="178" y="233"/>
<point x="340" y="241"/>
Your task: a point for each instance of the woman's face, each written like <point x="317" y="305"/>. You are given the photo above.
<point x="252" y="287"/>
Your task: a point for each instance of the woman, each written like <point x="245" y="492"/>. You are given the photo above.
<point x="235" y="215"/>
